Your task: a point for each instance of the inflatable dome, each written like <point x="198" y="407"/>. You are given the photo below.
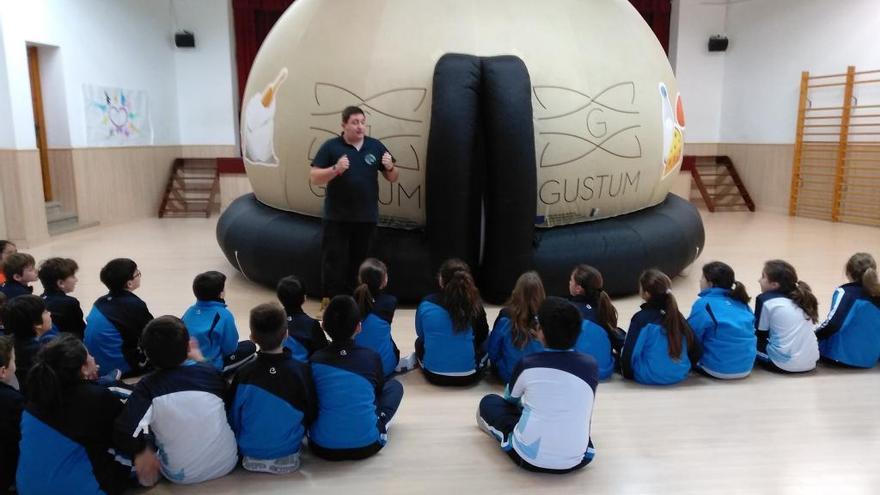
<point x="523" y="132"/>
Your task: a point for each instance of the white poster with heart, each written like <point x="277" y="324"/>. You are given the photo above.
<point x="117" y="116"/>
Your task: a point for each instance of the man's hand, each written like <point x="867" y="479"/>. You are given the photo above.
<point x="341" y="165"/>
<point x="146" y="465"/>
<point x="387" y="161"/>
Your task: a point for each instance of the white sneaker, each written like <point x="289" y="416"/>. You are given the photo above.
<point x="482" y="424"/>
<point x="407" y="363"/>
<point x="284" y="465"/>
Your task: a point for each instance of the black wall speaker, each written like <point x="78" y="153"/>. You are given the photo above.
<point x="185" y="39"/>
<point x="717" y="43"/>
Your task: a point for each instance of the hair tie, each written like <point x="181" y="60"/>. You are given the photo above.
<point x="668" y="292"/>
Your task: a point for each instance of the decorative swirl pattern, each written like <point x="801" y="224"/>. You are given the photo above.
<point x="617" y="98"/>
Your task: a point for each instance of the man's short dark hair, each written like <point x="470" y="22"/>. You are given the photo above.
<point x="341" y="318"/>
<point x="54" y="269"/>
<point x="268" y="326"/>
<point x="117" y="272"/>
<point x="16" y="263"/>
<point x="560" y="322"/>
<point x="209" y="285"/>
<point x="349" y="111"/>
<point x="291" y="292"/>
<point x="165" y="341"/>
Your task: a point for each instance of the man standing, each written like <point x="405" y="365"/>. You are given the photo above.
<point x="349" y="165"/>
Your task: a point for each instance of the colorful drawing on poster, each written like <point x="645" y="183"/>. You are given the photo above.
<point x="117" y="117"/>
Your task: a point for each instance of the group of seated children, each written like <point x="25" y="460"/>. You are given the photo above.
<point x="721" y="337"/>
<point x="182" y="420"/>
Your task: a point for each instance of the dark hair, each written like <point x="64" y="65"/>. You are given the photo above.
<point x="268" y="325"/>
<point x="117" y="272"/>
<point x="349" y="111"/>
<point x="7" y="344"/>
<point x="371" y="274"/>
<point x="165" y="341"/>
<point x="3" y="244"/>
<point x="526" y="298"/>
<point x="16" y="263"/>
<point x="659" y="289"/>
<point x="591" y="281"/>
<point x="54" y="269"/>
<point x="21" y="314"/>
<point x="341" y="318"/>
<point x="782" y="273"/>
<point x="290" y="292"/>
<point x="721" y="275"/>
<point x="560" y="323"/>
<point x="862" y="268"/>
<point x="460" y="295"/>
<point x="57" y="365"/>
<point x="209" y="285"/>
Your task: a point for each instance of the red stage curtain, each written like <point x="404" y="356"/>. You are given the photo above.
<point x="657" y="13"/>
<point x="252" y="20"/>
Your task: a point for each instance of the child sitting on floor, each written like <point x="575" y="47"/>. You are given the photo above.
<point x="543" y="420"/>
<point x="273" y="398"/>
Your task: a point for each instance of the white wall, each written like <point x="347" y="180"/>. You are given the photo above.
<point x="771" y="42"/>
<point x="205" y="74"/>
<point x="126" y="44"/>
<point x="749" y="93"/>
<point x="54" y="91"/>
<point x="7" y="130"/>
<point x="700" y="74"/>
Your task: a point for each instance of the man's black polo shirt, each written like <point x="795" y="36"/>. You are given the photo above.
<point x="354" y="195"/>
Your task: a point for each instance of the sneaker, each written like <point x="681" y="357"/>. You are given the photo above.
<point x="284" y="465"/>
<point x="483" y="425"/>
<point x="407" y="363"/>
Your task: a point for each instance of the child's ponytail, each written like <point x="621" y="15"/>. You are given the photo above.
<point x="803" y="296"/>
<point x="371" y="275"/>
<point x="721" y="275"/>
<point x="591" y="281"/>
<point x="460" y="295"/>
<point x="607" y="312"/>
<point x="871" y="283"/>
<point x="862" y="268"/>
<point x="782" y="273"/>
<point x="659" y="289"/>
<point x="526" y="298"/>
<point x="739" y="293"/>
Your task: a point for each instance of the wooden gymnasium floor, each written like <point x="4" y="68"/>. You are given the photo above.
<point x="766" y="434"/>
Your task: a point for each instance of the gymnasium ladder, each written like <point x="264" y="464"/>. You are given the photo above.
<point x="836" y="167"/>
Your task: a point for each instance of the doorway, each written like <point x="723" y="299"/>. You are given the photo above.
<point x="33" y="56"/>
